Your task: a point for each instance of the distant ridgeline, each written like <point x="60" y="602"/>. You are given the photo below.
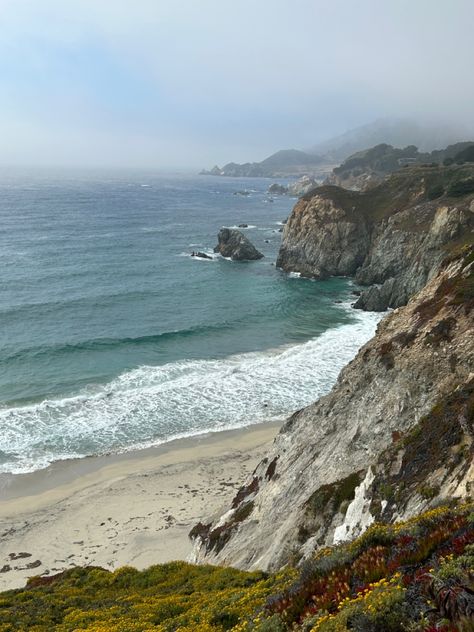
<point x="287" y="162"/>
<point x="359" y="170"/>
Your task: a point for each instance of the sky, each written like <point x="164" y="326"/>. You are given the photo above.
<point x="192" y="83"/>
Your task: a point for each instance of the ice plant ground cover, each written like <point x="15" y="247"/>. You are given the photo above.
<point x="417" y="576"/>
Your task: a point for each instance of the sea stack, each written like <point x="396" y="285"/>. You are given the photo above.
<point x="232" y="243"/>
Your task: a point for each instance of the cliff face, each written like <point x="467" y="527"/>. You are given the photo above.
<point x="394" y="436"/>
<point x="392" y="237"/>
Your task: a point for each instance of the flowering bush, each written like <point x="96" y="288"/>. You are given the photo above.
<point x="416" y="576"/>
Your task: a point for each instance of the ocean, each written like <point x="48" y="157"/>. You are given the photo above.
<point x="113" y="338"/>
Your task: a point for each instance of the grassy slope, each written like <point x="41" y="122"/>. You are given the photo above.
<point x="402" y="189"/>
<point x="408" y="576"/>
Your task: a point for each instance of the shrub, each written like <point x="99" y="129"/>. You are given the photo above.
<point x="462" y="187"/>
<point x="465" y="155"/>
<point x="435" y="191"/>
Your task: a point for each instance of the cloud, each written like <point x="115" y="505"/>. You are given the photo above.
<point x="166" y="83"/>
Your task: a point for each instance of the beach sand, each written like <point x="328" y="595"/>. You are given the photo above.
<point x="131" y="509"/>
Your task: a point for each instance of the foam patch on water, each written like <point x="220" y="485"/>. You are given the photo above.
<point x="154" y="404"/>
<point x="248" y="227"/>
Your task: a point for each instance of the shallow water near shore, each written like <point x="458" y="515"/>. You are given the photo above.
<point x="114" y="338"/>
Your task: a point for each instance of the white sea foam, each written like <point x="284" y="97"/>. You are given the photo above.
<point x="206" y="251"/>
<point x="154" y="404"/>
<point x="236" y="227"/>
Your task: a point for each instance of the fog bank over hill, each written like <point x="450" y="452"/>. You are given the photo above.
<point x="163" y="84"/>
<point x="399" y="132"/>
<point x="319" y="159"/>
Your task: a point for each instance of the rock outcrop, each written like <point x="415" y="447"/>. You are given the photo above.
<point x="302" y="186"/>
<point x="392" y="237"/>
<point x="277" y="189"/>
<point x="232" y="243"/>
<point x="395" y="435"/>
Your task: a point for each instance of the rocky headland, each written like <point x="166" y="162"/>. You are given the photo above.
<point x="392" y="237"/>
<point x="396" y="434"/>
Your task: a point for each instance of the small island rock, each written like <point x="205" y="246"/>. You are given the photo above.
<point x="277" y="189"/>
<point x="232" y="243"/>
<point x="201" y="255"/>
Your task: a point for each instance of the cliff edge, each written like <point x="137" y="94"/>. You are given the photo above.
<point x="396" y="434"/>
<point x="392" y="237"/>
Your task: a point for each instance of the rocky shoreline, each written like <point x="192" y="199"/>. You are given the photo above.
<point x="396" y="434"/>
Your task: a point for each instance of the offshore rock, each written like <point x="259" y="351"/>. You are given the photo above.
<point x="395" y="436"/>
<point x="277" y="189"/>
<point x="235" y="245"/>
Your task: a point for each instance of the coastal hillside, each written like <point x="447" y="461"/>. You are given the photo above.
<point x="413" y="576"/>
<point x="369" y="167"/>
<point x="398" y="132"/>
<point x="283" y="163"/>
<point x="396" y="434"/>
<point x="392" y="237"/>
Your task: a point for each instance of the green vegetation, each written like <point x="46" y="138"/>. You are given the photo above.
<point x="162" y="598"/>
<point x="454" y="291"/>
<point x="334" y="494"/>
<point x="404" y="469"/>
<point x="383" y="158"/>
<point x="466" y="155"/>
<point x="462" y="187"/>
<point x="435" y="191"/>
<point x="414" y="576"/>
<point x="405" y="188"/>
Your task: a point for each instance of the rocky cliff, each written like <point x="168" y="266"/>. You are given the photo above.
<point x="395" y="435"/>
<point x="392" y="237"/>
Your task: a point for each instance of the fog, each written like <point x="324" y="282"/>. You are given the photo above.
<point x="188" y="84"/>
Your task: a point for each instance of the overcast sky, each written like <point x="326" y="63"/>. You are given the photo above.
<point x="171" y="83"/>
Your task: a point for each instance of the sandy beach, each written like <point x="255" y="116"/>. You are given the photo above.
<point x="131" y="509"/>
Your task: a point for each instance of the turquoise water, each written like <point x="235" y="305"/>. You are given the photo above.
<point x="113" y="337"/>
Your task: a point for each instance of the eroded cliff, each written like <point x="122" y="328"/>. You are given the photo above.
<point x="392" y="237"/>
<point x="393" y="437"/>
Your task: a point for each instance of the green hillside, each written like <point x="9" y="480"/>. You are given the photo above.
<point x="413" y="576"/>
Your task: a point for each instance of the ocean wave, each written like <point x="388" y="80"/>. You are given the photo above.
<point x="25" y="308"/>
<point x="154" y="404"/>
<point x="114" y="343"/>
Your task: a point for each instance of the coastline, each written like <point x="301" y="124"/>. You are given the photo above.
<point x="135" y="508"/>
